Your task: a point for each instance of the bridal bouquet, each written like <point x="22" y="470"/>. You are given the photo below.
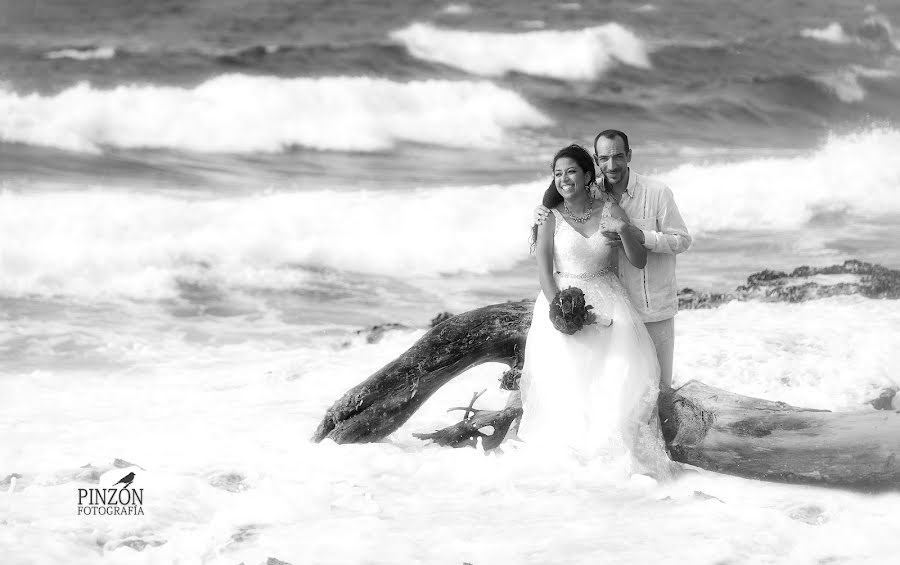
<point x="569" y="312"/>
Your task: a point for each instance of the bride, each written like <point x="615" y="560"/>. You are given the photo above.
<point x="594" y="391"/>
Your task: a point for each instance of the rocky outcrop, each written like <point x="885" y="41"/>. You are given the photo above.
<point x="802" y="284"/>
<point x="885" y="400"/>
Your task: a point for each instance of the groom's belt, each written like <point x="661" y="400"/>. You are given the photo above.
<point x="583" y="276"/>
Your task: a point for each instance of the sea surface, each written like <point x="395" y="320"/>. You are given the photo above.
<point x="203" y="202"/>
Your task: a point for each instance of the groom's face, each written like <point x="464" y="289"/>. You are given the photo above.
<point x="612" y="159"/>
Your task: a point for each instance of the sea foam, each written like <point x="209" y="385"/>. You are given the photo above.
<point x="247" y="114"/>
<point x="457" y="9"/>
<point x="786" y="193"/>
<point x="103" y="242"/>
<point x="875" y="31"/>
<point x="86" y="54"/>
<point x="832" y="33"/>
<point x="209" y="427"/>
<point x="583" y="54"/>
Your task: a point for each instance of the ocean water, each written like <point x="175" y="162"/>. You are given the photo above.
<point x="202" y="203"/>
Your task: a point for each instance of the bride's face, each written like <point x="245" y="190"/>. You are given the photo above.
<point x="569" y="177"/>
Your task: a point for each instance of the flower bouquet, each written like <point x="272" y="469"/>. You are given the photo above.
<point x="569" y="312"/>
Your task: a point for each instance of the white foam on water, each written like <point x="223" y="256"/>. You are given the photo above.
<point x="457" y="9"/>
<point x="832" y="33"/>
<point x="89" y="54"/>
<point x="220" y="438"/>
<point x="317" y="113"/>
<point x="844" y="84"/>
<point x="833" y="354"/>
<point x="785" y="193"/>
<point x="875" y="31"/>
<point x="578" y="55"/>
<point x="107" y="242"/>
<point x="533" y="24"/>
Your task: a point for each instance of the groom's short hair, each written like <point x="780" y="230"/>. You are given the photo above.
<point x="612" y="134"/>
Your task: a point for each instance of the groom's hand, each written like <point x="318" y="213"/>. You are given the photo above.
<point x="540" y="214"/>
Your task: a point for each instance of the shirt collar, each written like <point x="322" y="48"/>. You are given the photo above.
<point x="632" y="181"/>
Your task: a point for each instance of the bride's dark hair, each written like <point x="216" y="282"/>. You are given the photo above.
<point x="552" y="197"/>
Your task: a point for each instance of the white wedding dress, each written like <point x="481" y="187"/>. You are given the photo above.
<point x="594" y="392"/>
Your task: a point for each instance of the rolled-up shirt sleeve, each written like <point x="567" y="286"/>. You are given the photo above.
<point x="673" y="236"/>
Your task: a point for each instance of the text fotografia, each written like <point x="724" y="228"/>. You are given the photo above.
<point x="112" y="501"/>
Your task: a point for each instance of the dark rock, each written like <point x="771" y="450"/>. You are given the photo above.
<point x="802" y="284"/>
<point x="765" y="276"/>
<point x="246" y="533"/>
<point x="700" y="495"/>
<point x="883" y="402"/>
<point x="375" y="333"/>
<point x="810" y="514"/>
<point x="232" y="482"/>
<point x="688" y="299"/>
<point x="440" y="318"/>
<point x="7" y="480"/>
<point x="89" y="474"/>
<point x="121" y="464"/>
<point x="137" y="544"/>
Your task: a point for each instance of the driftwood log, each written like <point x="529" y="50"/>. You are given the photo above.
<point x="703" y="426"/>
<point x="720" y="431"/>
<point x="382" y="403"/>
<point x="489" y="426"/>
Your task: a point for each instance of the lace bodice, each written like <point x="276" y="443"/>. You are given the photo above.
<point x="575" y="254"/>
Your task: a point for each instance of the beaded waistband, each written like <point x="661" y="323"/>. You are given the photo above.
<point x="582" y="276"/>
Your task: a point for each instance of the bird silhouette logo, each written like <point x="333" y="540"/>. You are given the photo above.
<point x="126" y="480"/>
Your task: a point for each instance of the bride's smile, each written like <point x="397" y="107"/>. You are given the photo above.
<point x="570" y="180"/>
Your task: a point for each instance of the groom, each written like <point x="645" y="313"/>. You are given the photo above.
<point x="655" y="221"/>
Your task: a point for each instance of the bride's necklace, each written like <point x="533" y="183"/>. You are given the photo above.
<point x="587" y="215"/>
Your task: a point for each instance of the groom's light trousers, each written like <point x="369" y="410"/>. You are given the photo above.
<point x="663" y="335"/>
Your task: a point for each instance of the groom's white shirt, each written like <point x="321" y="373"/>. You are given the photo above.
<point x="651" y="207"/>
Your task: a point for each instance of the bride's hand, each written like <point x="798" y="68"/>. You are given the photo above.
<point x="540" y="214"/>
<point x="611" y="226"/>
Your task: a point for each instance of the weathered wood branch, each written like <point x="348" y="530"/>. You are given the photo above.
<point x="489" y="425"/>
<point x="385" y="401"/>
<point x="704" y="426"/>
<point x="760" y="439"/>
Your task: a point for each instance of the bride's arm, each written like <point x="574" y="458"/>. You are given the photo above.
<point x="544" y="253"/>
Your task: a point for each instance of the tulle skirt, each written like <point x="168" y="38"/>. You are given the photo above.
<point x="596" y="391"/>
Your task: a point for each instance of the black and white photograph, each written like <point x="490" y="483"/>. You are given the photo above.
<point x="488" y="282"/>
